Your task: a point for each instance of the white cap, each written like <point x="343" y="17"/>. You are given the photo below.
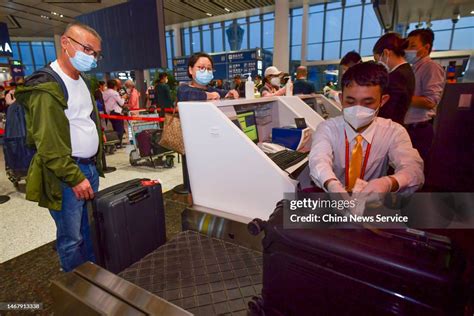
<point x="272" y="70"/>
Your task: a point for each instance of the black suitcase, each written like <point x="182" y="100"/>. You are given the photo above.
<point x="357" y="272"/>
<point x="127" y="222"/>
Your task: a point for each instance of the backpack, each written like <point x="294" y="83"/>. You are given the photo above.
<point x="18" y="154"/>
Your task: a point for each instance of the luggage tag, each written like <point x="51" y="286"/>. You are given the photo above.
<point x="150" y="183"/>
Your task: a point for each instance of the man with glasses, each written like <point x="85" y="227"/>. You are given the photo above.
<point x="64" y="172"/>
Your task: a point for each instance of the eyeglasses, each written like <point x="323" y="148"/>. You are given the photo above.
<point x="88" y="50"/>
<point x="202" y="68"/>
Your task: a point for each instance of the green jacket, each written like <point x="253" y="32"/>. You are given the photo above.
<point x="48" y="131"/>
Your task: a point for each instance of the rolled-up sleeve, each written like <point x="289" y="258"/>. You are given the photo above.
<point x="321" y="155"/>
<point x="434" y="84"/>
<point x="406" y="161"/>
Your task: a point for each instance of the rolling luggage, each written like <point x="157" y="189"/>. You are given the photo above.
<point x="144" y="142"/>
<point x="127" y="222"/>
<point x="357" y="272"/>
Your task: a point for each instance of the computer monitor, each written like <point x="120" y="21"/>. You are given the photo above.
<point x="248" y="124"/>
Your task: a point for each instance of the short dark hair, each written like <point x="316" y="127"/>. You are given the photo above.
<point x="162" y="75"/>
<point x="84" y="27"/>
<point x="426" y="36"/>
<point x="351" y="57"/>
<point x="111" y="83"/>
<point x="369" y="73"/>
<point x="194" y="58"/>
<point x="258" y="76"/>
<point x="391" y="41"/>
<point x="101" y="83"/>
<point x="237" y="77"/>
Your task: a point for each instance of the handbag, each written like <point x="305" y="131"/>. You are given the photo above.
<point x="172" y="136"/>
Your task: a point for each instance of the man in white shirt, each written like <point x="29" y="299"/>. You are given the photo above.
<point x="360" y="145"/>
<point x="65" y="170"/>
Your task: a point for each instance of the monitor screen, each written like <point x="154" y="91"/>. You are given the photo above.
<point x="248" y="124"/>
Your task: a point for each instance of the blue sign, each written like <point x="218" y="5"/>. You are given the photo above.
<point x="5" y="44"/>
<point x="228" y="65"/>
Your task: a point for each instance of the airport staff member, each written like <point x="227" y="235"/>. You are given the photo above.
<point x="301" y="84"/>
<point x="64" y="172"/>
<point x="359" y="144"/>
<point x="200" y="70"/>
<point x="350" y="59"/>
<point x="430" y="79"/>
<point x="390" y="51"/>
<point x="272" y="83"/>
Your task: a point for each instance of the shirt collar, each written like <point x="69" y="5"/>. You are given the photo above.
<point x="403" y="63"/>
<point x="421" y="61"/>
<point x="367" y="134"/>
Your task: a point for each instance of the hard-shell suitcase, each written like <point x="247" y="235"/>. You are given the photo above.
<point x="357" y="272"/>
<point x="127" y="222"/>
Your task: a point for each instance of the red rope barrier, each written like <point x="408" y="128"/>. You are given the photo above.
<point x="2" y="131"/>
<point x="132" y="118"/>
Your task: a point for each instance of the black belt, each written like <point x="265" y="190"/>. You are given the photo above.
<point x="420" y="124"/>
<point x="85" y="161"/>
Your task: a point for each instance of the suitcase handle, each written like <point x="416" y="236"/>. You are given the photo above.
<point x="137" y="196"/>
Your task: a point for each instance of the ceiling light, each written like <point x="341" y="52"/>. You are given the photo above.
<point x="228" y="10"/>
<point x="208" y="14"/>
<point x="472" y="12"/>
<point x="61" y="15"/>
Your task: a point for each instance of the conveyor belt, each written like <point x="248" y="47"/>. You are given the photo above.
<point x="204" y="275"/>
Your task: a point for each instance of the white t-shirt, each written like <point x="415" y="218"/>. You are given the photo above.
<point x="84" y="137"/>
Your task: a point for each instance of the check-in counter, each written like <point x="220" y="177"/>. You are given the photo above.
<point x="325" y="107"/>
<point x="228" y="172"/>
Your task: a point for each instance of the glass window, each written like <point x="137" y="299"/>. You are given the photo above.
<point x="331" y="50"/>
<point x="295" y="52"/>
<point x="255" y="35"/>
<point x="50" y="51"/>
<point x="168" y="47"/>
<point x="352" y="20"/>
<point x="442" y="39"/>
<point x="298" y="11"/>
<point x="246" y="34"/>
<point x="441" y="25"/>
<point x="296" y="30"/>
<point x="205" y="27"/>
<point x="334" y="5"/>
<point x="218" y="45"/>
<point x="196" y="42"/>
<point x="465" y="21"/>
<point x="170" y="63"/>
<point x="314" y="52"/>
<point x="186" y="47"/>
<point x="26" y="57"/>
<point x="348" y="46"/>
<point x="29" y="69"/>
<point x="353" y="2"/>
<point x="333" y="25"/>
<point x="255" y="18"/>
<point x="371" y="25"/>
<point x="315" y="28"/>
<point x="367" y="46"/>
<point x="16" y="53"/>
<point x="206" y="41"/>
<point x="316" y="8"/>
<point x="269" y="16"/>
<point x="462" y="39"/>
<point x="268" y="33"/>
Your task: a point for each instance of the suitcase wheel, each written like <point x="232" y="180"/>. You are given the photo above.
<point x="169" y="162"/>
<point x="255" y="226"/>
<point x="256" y="306"/>
<point x="134" y="157"/>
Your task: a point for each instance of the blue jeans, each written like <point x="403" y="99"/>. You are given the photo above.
<point x="73" y="240"/>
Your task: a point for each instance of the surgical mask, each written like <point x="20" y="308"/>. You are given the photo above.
<point x="204" y="77"/>
<point x="384" y="63"/>
<point x="81" y="61"/>
<point x="358" y="116"/>
<point x="129" y="90"/>
<point x="410" y="56"/>
<point x="275" y="81"/>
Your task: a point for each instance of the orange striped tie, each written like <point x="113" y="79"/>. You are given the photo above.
<point x="355" y="165"/>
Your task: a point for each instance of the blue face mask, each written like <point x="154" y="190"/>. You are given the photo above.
<point x="204" y="77"/>
<point x="410" y="56"/>
<point x="82" y="62"/>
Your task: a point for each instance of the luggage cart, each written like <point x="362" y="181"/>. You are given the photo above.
<point x="157" y="155"/>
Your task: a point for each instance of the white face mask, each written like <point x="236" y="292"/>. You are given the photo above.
<point x="275" y="81"/>
<point x="358" y="116"/>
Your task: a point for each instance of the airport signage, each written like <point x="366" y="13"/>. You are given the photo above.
<point x="5" y="44"/>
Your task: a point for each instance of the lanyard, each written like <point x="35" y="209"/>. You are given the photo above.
<point x="364" y="165"/>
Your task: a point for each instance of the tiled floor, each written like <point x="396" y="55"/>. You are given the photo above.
<point x="25" y="226"/>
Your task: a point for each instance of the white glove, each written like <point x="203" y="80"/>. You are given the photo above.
<point x="376" y="190"/>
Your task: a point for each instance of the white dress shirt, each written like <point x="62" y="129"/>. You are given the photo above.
<point x="83" y="131"/>
<point x="390" y="144"/>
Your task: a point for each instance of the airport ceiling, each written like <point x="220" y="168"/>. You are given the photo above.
<point x="43" y="18"/>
